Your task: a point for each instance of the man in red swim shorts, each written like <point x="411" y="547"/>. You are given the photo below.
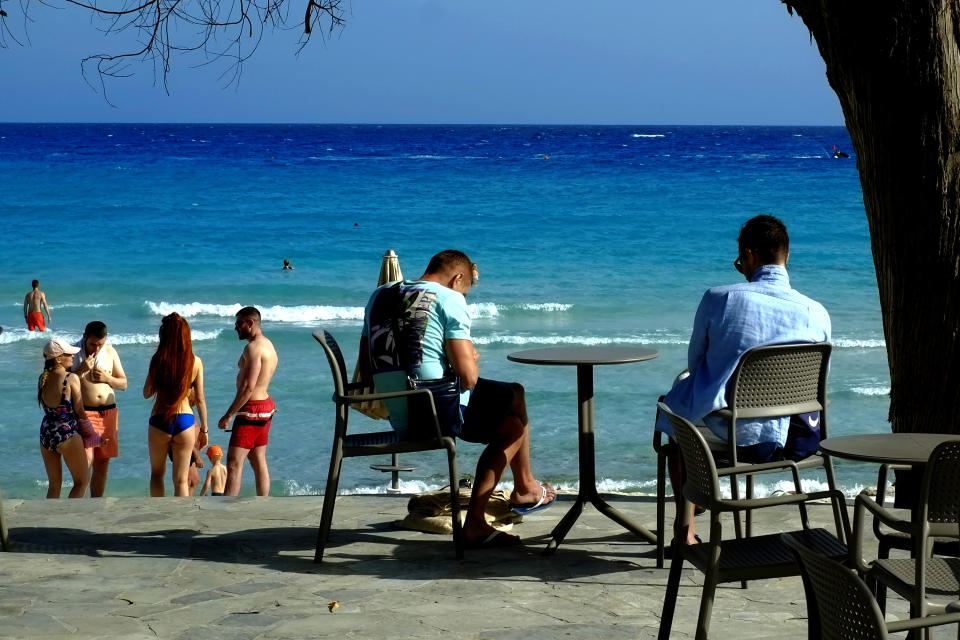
<point x="34" y="304"/>
<point x="252" y="405"/>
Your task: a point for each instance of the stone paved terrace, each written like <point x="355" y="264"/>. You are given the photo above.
<point x="242" y="568"/>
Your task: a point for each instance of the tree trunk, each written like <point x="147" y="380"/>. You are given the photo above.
<point x="895" y="65"/>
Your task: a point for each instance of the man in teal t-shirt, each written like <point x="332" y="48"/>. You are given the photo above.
<point x="421" y="328"/>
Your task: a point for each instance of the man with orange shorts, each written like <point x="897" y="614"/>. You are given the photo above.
<point x="34" y="304"/>
<point x="252" y="406"/>
<point x="101" y="374"/>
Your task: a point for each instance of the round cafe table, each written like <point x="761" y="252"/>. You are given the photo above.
<point x="585" y="358"/>
<point x="886" y="448"/>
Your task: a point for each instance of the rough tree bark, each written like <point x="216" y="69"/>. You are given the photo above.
<point x="895" y="66"/>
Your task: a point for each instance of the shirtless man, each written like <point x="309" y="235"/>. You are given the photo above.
<point x="98" y="366"/>
<point x="252" y="405"/>
<point x="34" y="301"/>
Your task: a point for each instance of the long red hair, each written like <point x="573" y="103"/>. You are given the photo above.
<point x="171" y="368"/>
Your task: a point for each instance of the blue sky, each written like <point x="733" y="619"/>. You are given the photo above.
<point x="455" y="61"/>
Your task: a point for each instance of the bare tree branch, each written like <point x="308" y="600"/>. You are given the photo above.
<point x="219" y="30"/>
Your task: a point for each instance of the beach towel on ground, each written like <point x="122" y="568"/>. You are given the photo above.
<point x="431" y="512"/>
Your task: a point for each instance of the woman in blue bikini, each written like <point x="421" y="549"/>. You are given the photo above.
<point x="174" y="372"/>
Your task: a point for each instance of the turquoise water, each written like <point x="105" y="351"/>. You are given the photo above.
<point x="598" y="235"/>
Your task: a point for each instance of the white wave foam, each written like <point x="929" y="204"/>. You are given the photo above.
<point x="497" y="338"/>
<point x="276" y="313"/>
<point x="871" y="391"/>
<point x="67" y="305"/>
<point x="647" y="135"/>
<point x="540" y="306"/>
<point x="483" y="310"/>
<point x="849" y="343"/>
<point x="411" y="487"/>
<point x="9" y="336"/>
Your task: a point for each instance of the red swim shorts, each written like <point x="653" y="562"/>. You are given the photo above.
<point x="35" y="321"/>
<point x="251" y="426"/>
<point x="104" y="420"/>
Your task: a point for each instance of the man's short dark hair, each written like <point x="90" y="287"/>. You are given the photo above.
<point x="249" y="312"/>
<point x="35" y="284"/>
<point x="451" y="258"/>
<point x="95" y="329"/>
<point x="766" y="236"/>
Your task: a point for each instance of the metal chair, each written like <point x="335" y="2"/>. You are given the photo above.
<point x="937" y="514"/>
<point x="769" y="381"/>
<point x="369" y="444"/>
<point x="734" y="560"/>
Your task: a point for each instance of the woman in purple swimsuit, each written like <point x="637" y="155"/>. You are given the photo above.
<point x="174" y="372"/>
<point x="58" y="393"/>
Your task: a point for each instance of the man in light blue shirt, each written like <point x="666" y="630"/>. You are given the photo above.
<point x="732" y="319"/>
<point x="421" y="329"/>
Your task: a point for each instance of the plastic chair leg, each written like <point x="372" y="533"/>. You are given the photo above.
<point x="329" y="501"/>
<point x="661" y="506"/>
<point x="455" y="501"/>
<point x="670" y="598"/>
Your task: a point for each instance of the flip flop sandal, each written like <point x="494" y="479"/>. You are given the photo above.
<point x="530" y="507"/>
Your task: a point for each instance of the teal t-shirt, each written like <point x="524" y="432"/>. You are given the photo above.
<point x="426" y="314"/>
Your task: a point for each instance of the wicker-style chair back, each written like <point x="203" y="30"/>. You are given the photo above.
<point x="780" y="380"/>
<point x="838" y="601"/>
<point x="941" y="484"/>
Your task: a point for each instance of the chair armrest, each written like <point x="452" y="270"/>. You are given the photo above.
<point x="882" y="474"/>
<point x="889" y="517"/>
<point x="747" y="469"/>
<point x="861" y="505"/>
<point x="920" y="623"/>
<point x="369" y="397"/>
<point x="773" y="501"/>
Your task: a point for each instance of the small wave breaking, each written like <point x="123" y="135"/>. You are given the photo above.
<point x="497" y="338"/>
<point x="851" y="343"/>
<point x="275" y="313"/>
<point x="22" y="335"/>
<point x="313" y="313"/>
<point x="871" y="391"/>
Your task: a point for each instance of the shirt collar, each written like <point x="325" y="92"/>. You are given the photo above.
<point x="772" y="274"/>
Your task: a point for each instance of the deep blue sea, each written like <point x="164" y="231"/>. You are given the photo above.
<point x="583" y="235"/>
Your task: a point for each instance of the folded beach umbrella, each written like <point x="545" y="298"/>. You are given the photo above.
<point x="389" y="272"/>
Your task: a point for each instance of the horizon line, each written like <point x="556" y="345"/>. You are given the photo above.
<point x="414" y="124"/>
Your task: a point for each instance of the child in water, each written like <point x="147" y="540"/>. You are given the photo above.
<point x="217" y="474"/>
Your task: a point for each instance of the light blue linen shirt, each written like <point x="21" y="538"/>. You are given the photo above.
<point x="731" y="320"/>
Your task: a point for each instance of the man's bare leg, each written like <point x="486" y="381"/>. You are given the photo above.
<point x="261" y="474"/>
<point x="684" y="508"/>
<point x="98" y="479"/>
<point x="526" y="489"/>
<point x="490" y="467"/>
<point x="235" y="458"/>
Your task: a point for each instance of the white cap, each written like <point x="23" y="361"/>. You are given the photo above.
<point x="56" y="348"/>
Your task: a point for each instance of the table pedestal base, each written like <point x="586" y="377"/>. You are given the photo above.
<point x="592" y="497"/>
